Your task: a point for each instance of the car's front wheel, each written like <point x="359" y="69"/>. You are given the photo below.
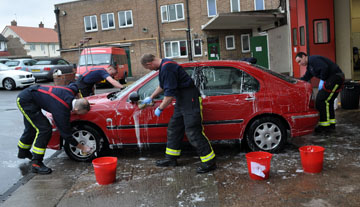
<point x="9" y="84"/>
<point x="85" y="135"/>
<point x="267" y="134"/>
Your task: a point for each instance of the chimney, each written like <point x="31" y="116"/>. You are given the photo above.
<point x="13" y="23"/>
<point x="41" y="25"/>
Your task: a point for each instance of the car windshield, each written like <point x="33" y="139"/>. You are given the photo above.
<point x="279" y="75"/>
<point x="43" y="62"/>
<point x="12" y="63"/>
<point x="3" y="67"/>
<point x="95" y="59"/>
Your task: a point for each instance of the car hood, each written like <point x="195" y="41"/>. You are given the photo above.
<point x="15" y="72"/>
<point x="97" y="99"/>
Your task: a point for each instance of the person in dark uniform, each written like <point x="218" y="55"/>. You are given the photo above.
<point x="187" y="117"/>
<point x="59" y="101"/>
<point x="87" y="81"/>
<point x="331" y="82"/>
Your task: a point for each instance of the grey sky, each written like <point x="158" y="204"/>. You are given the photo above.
<point x="28" y="12"/>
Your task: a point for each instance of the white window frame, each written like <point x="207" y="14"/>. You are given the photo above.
<point x="242" y="43"/>
<point x="231" y="6"/>
<point x="201" y="49"/>
<point x="32" y="47"/>
<point x="166" y="18"/>
<point x="107" y="21"/>
<point x="263" y="2"/>
<point x="42" y="46"/>
<point x="179" y="51"/>
<point x="91" y="24"/>
<point x="132" y="20"/>
<point x="226" y="42"/>
<point x="209" y="10"/>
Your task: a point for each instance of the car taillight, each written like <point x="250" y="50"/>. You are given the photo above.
<point x="47" y="69"/>
<point x="17" y="68"/>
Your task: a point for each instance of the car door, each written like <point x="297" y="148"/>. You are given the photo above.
<point x="229" y="99"/>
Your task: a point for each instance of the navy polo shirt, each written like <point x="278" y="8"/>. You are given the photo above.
<point x="172" y="77"/>
<point x="320" y="67"/>
<point x="95" y="75"/>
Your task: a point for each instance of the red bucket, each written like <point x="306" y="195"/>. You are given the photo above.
<point x="105" y="169"/>
<point x="312" y="158"/>
<point x="258" y="165"/>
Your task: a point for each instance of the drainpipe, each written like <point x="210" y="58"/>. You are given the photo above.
<point x="188" y="31"/>
<point x="158" y="28"/>
<point x="57" y="12"/>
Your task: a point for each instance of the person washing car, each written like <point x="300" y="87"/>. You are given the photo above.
<point x="87" y="81"/>
<point x="59" y="101"/>
<point x="187" y="116"/>
<point x="331" y="82"/>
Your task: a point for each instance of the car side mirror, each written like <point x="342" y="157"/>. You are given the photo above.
<point x="134" y="97"/>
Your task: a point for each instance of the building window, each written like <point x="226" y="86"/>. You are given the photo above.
<point x="211" y="5"/>
<point x="32" y="47"/>
<point x="295" y="43"/>
<point x="90" y="23"/>
<point x="107" y="21"/>
<point x="197" y="47"/>
<point x="125" y="19"/>
<point x="172" y="12"/>
<point x="230" y="42"/>
<point x="302" y="36"/>
<point x="175" y="49"/>
<point x="53" y="48"/>
<point x="259" y="4"/>
<point x="321" y="31"/>
<point x="245" y="43"/>
<point x="235" y="5"/>
<point x="42" y="47"/>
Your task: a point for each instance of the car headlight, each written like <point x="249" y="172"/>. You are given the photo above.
<point x="21" y="76"/>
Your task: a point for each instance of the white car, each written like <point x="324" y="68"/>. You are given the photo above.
<point x="11" y="79"/>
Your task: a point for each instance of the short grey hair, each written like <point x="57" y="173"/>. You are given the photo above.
<point x="147" y="58"/>
<point x="82" y="104"/>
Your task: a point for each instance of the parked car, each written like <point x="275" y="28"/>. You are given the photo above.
<point x="11" y="79"/>
<point x="3" y="60"/>
<point x="240" y="101"/>
<point x="20" y="64"/>
<point x="45" y="68"/>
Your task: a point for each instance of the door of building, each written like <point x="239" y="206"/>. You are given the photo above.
<point x="259" y="50"/>
<point x="213" y="48"/>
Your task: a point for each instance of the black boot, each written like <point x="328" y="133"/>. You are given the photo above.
<point x="38" y="166"/>
<point x="323" y="129"/>
<point x="23" y="153"/>
<point x="167" y="162"/>
<point x="333" y="127"/>
<point x="206" y="167"/>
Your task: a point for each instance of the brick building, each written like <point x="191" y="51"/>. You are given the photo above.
<point x="179" y="29"/>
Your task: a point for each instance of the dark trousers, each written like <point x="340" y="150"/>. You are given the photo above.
<point x="326" y="97"/>
<point x="37" y="132"/>
<point x="187" y="118"/>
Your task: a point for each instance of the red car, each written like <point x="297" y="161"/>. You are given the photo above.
<point x="240" y="100"/>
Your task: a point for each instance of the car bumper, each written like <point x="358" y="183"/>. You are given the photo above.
<point x="303" y="123"/>
<point x="42" y="75"/>
<point x="25" y="82"/>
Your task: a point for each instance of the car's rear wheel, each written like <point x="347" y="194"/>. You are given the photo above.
<point x="86" y="135"/>
<point x="9" y="84"/>
<point x="267" y="134"/>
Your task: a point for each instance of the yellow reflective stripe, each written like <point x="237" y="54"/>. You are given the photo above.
<point x="37" y="150"/>
<point x="208" y="157"/>
<point x="324" y="123"/>
<point x="172" y="152"/>
<point x="327" y="102"/>
<point x="81" y="96"/>
<point x="202" y="126"/>
<point x="29" y="120"/>
<point x="24" y="146"/>
<point x="332" y="121"/>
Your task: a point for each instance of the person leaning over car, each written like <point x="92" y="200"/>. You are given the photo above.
<point x="87" y="81"/>
<point x="59" y="101"/>
<point x="187" y="116"/>
<point x="331" y="82"/>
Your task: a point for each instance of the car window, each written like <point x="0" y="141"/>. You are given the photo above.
<point x="29" y="62"/>
<point x="12" y="63"/>
<point x="148" y="88"/>
<point x="215" y="81"/>
<point x="62" y="62"/>
<point x="43" y="62"/>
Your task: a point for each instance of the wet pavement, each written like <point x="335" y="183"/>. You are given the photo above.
<point x="140" y="183"/>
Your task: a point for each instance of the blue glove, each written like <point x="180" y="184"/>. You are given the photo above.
<point x="147" y="100"/>
<point x="321" y="84"/>
<point x="158" y="111"/>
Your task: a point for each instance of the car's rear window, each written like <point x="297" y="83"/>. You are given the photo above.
<point x="279" y="75"/>
<point x="12" y="63"/>
<point x="43" y="62"/>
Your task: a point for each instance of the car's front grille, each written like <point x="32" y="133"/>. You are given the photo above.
<point x="29" y="76"/>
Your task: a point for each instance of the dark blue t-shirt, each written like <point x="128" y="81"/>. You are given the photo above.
<point x="320" y="67"/>
<point x="95" y="75"/>
<point x="172" y="77"/>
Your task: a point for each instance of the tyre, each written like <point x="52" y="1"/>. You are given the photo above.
<point x="87" y="135"/>
<point x="267" y="134"/>
<point x="9" y="84"/>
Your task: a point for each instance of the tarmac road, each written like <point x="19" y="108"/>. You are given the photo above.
<point x="140" y="183"/>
